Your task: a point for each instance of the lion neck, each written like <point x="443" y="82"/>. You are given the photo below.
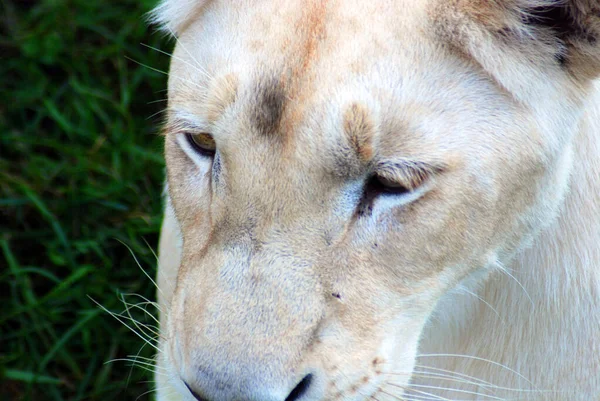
<point x="565" y="259"/>
<point x="551" y="296"/>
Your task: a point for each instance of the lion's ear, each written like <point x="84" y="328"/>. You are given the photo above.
<point x="173" y="16"/>
<point x="575" y="25"/>
<point x="542" y="35"/>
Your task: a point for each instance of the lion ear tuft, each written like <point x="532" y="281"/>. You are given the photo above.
<point x="173" y="16"/>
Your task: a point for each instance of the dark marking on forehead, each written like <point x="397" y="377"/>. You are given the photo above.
<point x="269" y="106"/>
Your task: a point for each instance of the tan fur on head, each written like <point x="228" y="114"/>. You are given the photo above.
<point x="374" y="161"/>
<point x="360" y="130"/>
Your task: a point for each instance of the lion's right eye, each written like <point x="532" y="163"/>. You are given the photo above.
<point x="377" y="186"/>
<point x="384" y="186"/>
<point x="202" y="143"/>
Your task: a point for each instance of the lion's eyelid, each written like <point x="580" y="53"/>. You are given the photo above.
<point x="409" y="173"/>
<point x="183" y="122"/>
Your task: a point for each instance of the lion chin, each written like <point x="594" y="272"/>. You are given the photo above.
<point x="381" y="200"/>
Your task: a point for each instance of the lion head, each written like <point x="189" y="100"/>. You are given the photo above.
<point x="336" y="167"/>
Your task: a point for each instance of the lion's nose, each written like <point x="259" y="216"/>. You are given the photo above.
<point x="300" y="389"/>
<point x="194" y="393"/>
<point x="296" y="394"/>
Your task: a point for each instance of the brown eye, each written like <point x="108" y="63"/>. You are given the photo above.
<point x="202" y="143"/>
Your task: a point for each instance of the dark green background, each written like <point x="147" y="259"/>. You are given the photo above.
<point x="80" y="181"/>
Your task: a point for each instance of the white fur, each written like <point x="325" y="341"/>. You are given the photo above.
<point x="545" y="322"/>
<point x="171" y="16"/>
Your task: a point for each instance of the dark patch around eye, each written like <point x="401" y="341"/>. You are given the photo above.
<point x="216" y="169"/>
<point x="372" y="190"/>
<point x="365" y="207"/>
<point x="270" y="103"/>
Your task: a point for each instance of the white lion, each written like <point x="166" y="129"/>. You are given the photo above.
<point x="381" y="200"/>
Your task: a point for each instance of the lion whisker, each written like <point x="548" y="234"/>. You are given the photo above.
<point x="150" y="391"/>
<point x="206" y="73"/>
<point x="484" y="302"/>
<point x="142" y="327"/>
<point x="159" y="270"/>
<point x="398" y="397"/>
<point x="197" y="67"/>
<point x="136" y="363"/>
<point x="478" y="359"/>
<point x="478" y="382"/>
<point x="152" y="360"/>
<point x="142" y="306"/>
<point x="161" y="111"/>
<point x="506" y="271"/>
<point x="116" y="316"/>
<point x="472" y="378"/>
<point x="165" y="73"/>
<point x="140" y="266"/>
<point x="166" y="99"/>
<point x="405" y="388"/>
<point x="144" y="303"/>
<point x="455" y="390"/>
<point x="439" y="376"/>
<point x="132" y="366"/>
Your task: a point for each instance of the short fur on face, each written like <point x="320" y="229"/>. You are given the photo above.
<point x="371" y="156"/>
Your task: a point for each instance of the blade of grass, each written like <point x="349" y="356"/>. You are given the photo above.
<point x="29" y="377"/>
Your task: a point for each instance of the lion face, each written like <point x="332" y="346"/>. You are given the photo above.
<point x="334" y="170"/>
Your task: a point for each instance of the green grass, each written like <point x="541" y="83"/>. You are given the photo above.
<point x="80" y="180"/>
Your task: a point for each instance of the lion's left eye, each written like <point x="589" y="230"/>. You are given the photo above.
<point x="202" y="143"/>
